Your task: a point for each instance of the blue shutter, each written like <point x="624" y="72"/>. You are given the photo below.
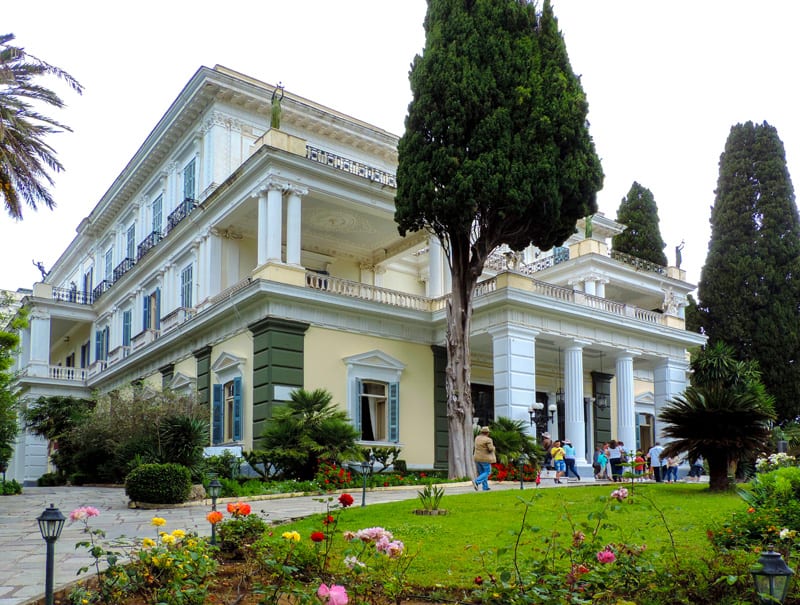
<point x="357" y="407"/>
<point x="158" y="309"/>
<point x="146" y="316"/>
<point x="106" y="341"/>
<point x="237" y="409"/>
<point x="98" y="345"/>
<point x="216" y="433"/>
<point x="394" y="412"/>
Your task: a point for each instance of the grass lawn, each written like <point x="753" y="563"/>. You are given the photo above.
<point x="448" y="547"/>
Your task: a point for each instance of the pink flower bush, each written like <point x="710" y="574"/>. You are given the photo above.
<point x="83" y="513"/>
<point x="620" y="494"/>
<point x="606" y="556"/>
<point x="373" y="534"/>
<point x="391" y="548"/>
<point x="335" y="595"/>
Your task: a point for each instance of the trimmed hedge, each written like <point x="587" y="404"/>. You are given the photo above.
<point x="159" y="484"/>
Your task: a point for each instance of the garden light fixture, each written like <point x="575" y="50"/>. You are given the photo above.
<point x="214" y="491"/>
<point x="771" y="577"/>
<point x="521" y="461"/>
<point x="365" y="467"/>
<point x="51" y="522"/>
<point x="537" y="407"/>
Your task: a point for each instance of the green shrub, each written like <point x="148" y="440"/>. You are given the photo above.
<point x="50" y="480"/>
<point x="10" y="488"/>
<point x="159" y="483"/>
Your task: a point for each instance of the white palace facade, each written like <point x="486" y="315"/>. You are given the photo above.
<point x="238" y="262"/>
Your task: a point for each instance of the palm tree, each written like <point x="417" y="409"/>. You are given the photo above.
<point x="24" y="156"/>
<point x="719" y="424"/>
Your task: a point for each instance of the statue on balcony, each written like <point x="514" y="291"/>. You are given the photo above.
<point x="40" y="265"/>
<point x="587" y="231"/>
<point x="275" y="119"/>
<point x="678" y="256"/>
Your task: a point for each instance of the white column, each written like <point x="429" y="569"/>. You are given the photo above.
<point x="212" y="273"/>
<point x="626" y="408"/>
<point x="434" y="267"/>
<point x="293" y="225"/>
<point x="589" y="287"/>
<point x="669" y="379"/>
<point x="40" y="343"/>
<point x="261" y="237"/>
<point x="601" y="287"/>
<point x="514" y="362"/>
<point x="274" y="221"/>
<point x="574" y="421"/>
<point x="378" y="272"/>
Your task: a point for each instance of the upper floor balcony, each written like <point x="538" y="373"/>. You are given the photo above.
<point x="101" y="288"/>
<point x="181" y="212"/>
<point x="122" y="268"/>
<point x="147" y="244"/>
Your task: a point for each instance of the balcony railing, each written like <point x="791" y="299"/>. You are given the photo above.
<point x="118" y="354"/>
<point x="366" y="292"/>
<point x="73" y="296"/>
<point x="176" y="318"/>
<point x="122" y="268"/>
<point x="352" y="166"/>
<point x="145" y="337"/>
<point x="638" y="263"/>
<point x="64" y="373"/>
<point x="180" y="213"/>
<point x="101" y="288"/>
<point x="147" y="244"/>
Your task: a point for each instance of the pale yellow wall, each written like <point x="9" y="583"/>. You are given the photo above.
<point x="240" y="345"/>
<point x="345" y="269"/>
<point x="187" y="367"/>
<point x="154" y="381"/>
<point x="77" y="337"/>
<point x="248" y="258"/>
<point x="325" y="368"/>
<point x="395" y="280"/>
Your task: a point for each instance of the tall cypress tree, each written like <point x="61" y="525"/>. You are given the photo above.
<point x="749" y="288"/>
<point x="496" y="151"/>
<point x="642" y="238"/>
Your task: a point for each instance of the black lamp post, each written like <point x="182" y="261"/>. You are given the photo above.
<point x="214" y="490"/>
<point x="521" y="461"/>
<point x="771" y="577"/>
<point x="364" y="467"/>
<point x="51" y="522"/>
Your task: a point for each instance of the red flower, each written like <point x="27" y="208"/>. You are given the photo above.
<point x="345" y="500"/>
<point x="238" y="509"/>
<point x="214" y="517"/>
<point x="317" y="536"/>
<point x="328" y="520"/>
<point x="478" y="580"/>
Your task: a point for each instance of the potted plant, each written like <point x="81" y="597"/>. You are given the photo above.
<point x="429" y="498"/>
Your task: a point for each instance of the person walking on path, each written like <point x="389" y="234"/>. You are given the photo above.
<point x="558" y="460"/>
<point x="655" y="462"/>
<point x="484" y="457"/>
<point x="615" y="458"/>
<point x="672" y="469"/>
<point x="569" y="459"/>
<point x="696" y="469"/>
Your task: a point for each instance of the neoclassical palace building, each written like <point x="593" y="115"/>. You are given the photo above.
<point x="249" y="248"/>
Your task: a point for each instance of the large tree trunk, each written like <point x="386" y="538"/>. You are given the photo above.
<point x="718" y="472"/>
<point x="459" y="394"/>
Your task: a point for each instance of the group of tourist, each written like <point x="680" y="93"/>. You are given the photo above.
<point x="608" y="462"/>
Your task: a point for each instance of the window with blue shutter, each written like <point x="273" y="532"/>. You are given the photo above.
<point x="106" y="341"/>
<point x="146" y="316"/>
<point x="394" y="411"/>
<point x="188" y="181"/>
<point x="217" y="420"/>
<point x="126" y="328"/>
<point x="158" y="309"/>
<point x="237" y="409"/>
<point x="98" y="345"/>
<point x="357" y="406"/>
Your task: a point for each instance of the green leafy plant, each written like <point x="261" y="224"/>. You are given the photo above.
<point x="159" y="483"/>
<point x="430" y="496"/>
<point x="236" y="534"/>
<point x="10" y="487"/>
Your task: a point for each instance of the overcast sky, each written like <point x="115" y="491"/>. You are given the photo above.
<point x="665" y="82"/>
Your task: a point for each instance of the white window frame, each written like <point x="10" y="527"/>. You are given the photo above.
<point x="377" y="367"/>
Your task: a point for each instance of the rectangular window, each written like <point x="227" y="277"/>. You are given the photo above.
<point x="101" y="338"/>
<point x="374" y="418"/>
<point x="130" y="242"/>
<point x="126" y="328"/>
<point x="188" y="181"/>
<point x="157" y="209"/>
<point x="186" y="287"/>
<point x="227" y="412"/>
<point x="85" y="354"/>
<point x="88" y="284"/>
<point x="109" y="265"/>
<point x="152" y="310"/>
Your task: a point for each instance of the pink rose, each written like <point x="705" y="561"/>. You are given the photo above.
<point x="606" y="556"/>
<point x="335" y="595"/>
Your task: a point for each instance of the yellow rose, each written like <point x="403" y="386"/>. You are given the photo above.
<point x="158" y="521"/>
<point x="179" y="533"/>
<point x="168" y="539"/>
<point x="148" y="543"/>
<point x="291" y="535"/>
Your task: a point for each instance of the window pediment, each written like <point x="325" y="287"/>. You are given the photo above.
<point x="375" y="359"/>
